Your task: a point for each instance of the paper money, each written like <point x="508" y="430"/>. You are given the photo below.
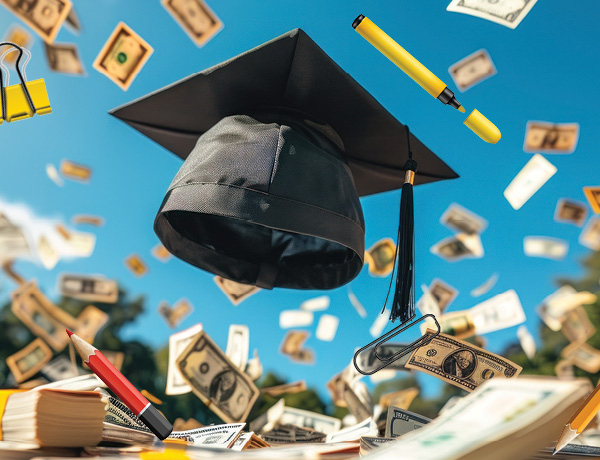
<point x="178" y="342"/>
<point x="380" y="257"/>
<point x="428" y="304"/>
<point x="443" y="293"/>
<point x="136" y="265"/>
<point x="235" y="292"/>
<point x="19" y="36"/>
<point x="278" y="390"/>
<point x="248" y="440"/>
<point x="485" y="287"/>
<point x="75" y="171"/>
<point x="570" y="211"/>
<point x="527" y="341"/>
<point x="96" y="221"/>
<point x="64" y="58"/>
<point x="13" y="243"/>
<point x="89" y="287"/>
<point x="267" y="420"/>
<point x="400" y="399"/>
<point x="545" y="247"/>
<point x="77" y="244"/>
<point x="43" y="318"/>
<point x="564" y="369"/>
<point x="472" y="70"/>
<point x="380" y="323"/>
<point x="327" y="327"/>
<point x="28" y="361"/>
<point x="369" y="443"/>
<point x="360" y="309"/>
<point x="238" y="345"/>
<point x="506" y="12"/>
<point x="214" y="436"/>
<point x="161" y="253"/>
<point x="337" y="383"/>
<point x="499" y="312"/>
<point x="367" y="427"/>
<point x="72" y="22"/>
<point x="529" y="180"/>
<point x="292" y="346"/>
<point x="254" y="367"/>
<point x="195" y="18"/>
<point x="317" y="304"/>
<point x="402" y="421"/>
<point x="583" y="356"/>
<point x="295" y="318"/>
<point x="590" y="236"/>
<point x="89" y="322"/>
<point x="287" y="434"/>
<point x="228" y="392"/>
<point x="174" y="316"/>
<point x="367" y="361"/>
<point x="306" y="419"/>
<point x="541" y="136"/>
<point x="123" y="56"/>
<point x="460" y="363"/>
<point x="458" y="324"/>
<point x="554" y="308"/>
<point x="461" y="246"/>
<point x="358" y="399"/>
<point x="577" y="326"/>
<point x="53" y="174"/>
<point x="60" y="368"/>
<point x="462" y="220"/>
<point x="593" y="196"/>
<point x="45" y="17"/>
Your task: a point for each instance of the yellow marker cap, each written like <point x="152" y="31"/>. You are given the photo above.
<point x="483" y="127"/>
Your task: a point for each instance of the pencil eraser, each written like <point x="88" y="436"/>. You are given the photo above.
<point x="483" y="127"/>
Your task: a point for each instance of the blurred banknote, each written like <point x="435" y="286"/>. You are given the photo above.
<point x="278" y="390"/>
<point x="458" y="324"/>
<point x="78" y="244"/>
<point x="547" y="137"/>
<point x="327" y="327"/>
<point x="443" y="293"/>
<point x="428" y="304"/>
<point x="509" y="13"/>
<point x="88" y="287"/>
<point x="89" y="322"/>
<point x="286" y="434"/>
<point x="75" y="171"/>
<point x="178" y="342"/>
<point x="380" y="323"/>
<point x="238" y="345"/>
<point x="176" y="314"/>
<point x="593" y="196"/>
<point x="570" y="211"/>
<point x="214" y="436"/>
<point x="529" y="180"/>
<point x="45" y="17"/>
<point x="358" y="400"/>
<point x="28" y="361"/>
<point x="227" y="391"/>
<point x="462" y="220"/>
<point x="358" y="306"/>
<point x="47" y="253"/>
<point x="546" y="247"/>
<point x="402" y="421"/>
<point x="306" y="419"/>
<point x="13" y="243"/>
<point x="486" y="286"/>
<point x="53" y="174"/>
<point x="460" y="363"/>
<point x="527" y="341"/>
<point x="590" y="236"/>
<point x="367" y="427"/>
<point x="583" y="356"/>
<point x="400" y="399"/>
<point x="72" y="22"/>
<point x="577" y="326"/>
<point x="267" y="420"/>
<point x="195" y="18"/>
<point x="472" y="69"/>
<point x="316" y="304"/>
<point x="96" y="221"/>
<point x="380" y="257"/>
<point x="123" y="56"/>
<point x="60" y="368"/>
<point x="161" y="253"/>
<point x="293" y="346"/>
<point x="499" y="312"/>
<point x="64" y="58"/>
<point x="295" y="318"/>
<point x="235" y="292"/>
<point x="136" y="265"/>
<point x="41" y="316"/>
<point x="19" y="36"/>
<point x="461" y="246"/>
<point x="254" y="367"/>
<point x="556" y="306"/>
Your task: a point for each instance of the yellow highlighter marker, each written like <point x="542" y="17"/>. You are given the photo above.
<point x="403" y="59"/>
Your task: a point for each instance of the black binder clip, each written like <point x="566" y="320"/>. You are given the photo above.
<point x="386" y="361"/>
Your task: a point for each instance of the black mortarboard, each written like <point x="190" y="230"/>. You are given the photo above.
<point x="279" y="142"/>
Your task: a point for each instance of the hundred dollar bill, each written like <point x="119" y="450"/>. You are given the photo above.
<point x="75" y="171"/>
<point x="215" y="436"/>
<point x="45" y="17"/>
<point x="370" y="443"/>
<point x="88" y="287"/>
<point x="41" y="316"/>
<point x="380" y="257"/>
<point x="443" y="293"/>
<point x="460" y="363"/>
<point x="254" y="367"/>
<point x="123" y="56"/>
<point x="178" y="342"/>
<point x="485" y="287"/>
<point x="577" y="326"/>
<point x="367" y="427"/>
<point x="570" y="211"/>
<point x="19" y="36"/>
<point x="472" y="70"/>
<point x="541" y="136"/>
<point x="174" y="316"/>
<point x="13" y="243"/>
<point x="30" y="360"/>
<point x="60" y="368"/>
<point x="121" y="424"/>
<point x="306" y="419"/>
<point x="64" y="58"/>
<point x="593" y="196"/>
<point x="235" y="292"/>
<point x="590" y="236"/>
<point x="546" y="247"/>
<point x="228" y="392"/>
<point x="527" y="341"/>
<point x="529" y="180"/>
<point x="238" y="345"/>
<point x="278" y="390"/>
<point x="583" y="356"/>
<point x="195" y="18"/>
<point x="267" y="420"/>
<point x="402" y="421"/>
<point x="509" y="13"/>
<point x="89" y="322"/>
<point x="136" y="265"/>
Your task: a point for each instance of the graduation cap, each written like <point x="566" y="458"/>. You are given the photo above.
<point x="279" y="143"/>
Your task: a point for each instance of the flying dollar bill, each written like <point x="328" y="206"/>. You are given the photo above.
<point x="64" y="58"/>
<point x="541" y="136"/>
<point x="19" y="36"/>
<point x="238" y="345"/>
<point x="235" y="292"/>
<point x="486" y="286"/>
<point x="30" y="360"/>
<point x="89" y="322"/>
<point x="380" y="257"/>
<point x="195" y="18"/>
<point x="178" y="342"/>
<point x="175" y="315"/>
<point x="400" y="399"/>
<point x="307" y="419"/>
<point x="460" y="363"/>
<point x="286" y="388"/>
<point x="75" y="171"/>
<point x="577" y="326"/>
<point x="45" y="17"/>
<point x="443" y="293"/>
<point x="527" y="341"/>
<point x="13" y="242"/>
<point x="583" y="356"/>
<point x="506" y="12"/>
<point x="529" y="180"/>
<point x="472" y="70"/>
<point x="293" y="346"/>
<point x="570" y="211"/>
<point x="402" y="421"/>
<point x="593" y="196"/>
<point x="227" y="391"/>
<point x="546" y="247"/>
<point x="590" y="235"/>
<point x="89" y="288"/>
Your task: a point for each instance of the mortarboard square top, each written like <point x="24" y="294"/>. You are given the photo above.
<point x="279" y="142"/>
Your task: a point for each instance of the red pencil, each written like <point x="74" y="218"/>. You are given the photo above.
<point x="124" y="390"/>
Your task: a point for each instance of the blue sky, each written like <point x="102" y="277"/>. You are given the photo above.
<point x="547" y="70"/>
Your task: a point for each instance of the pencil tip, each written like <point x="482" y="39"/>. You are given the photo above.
<point x="69" y="332"/>
<point x="554" y="452"/>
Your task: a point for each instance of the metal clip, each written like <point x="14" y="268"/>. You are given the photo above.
<point x="23" y="85"/>
<point x="394" y="332"/>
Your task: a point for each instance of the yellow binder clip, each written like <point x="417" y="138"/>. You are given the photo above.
<point x="25" y="99"/>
